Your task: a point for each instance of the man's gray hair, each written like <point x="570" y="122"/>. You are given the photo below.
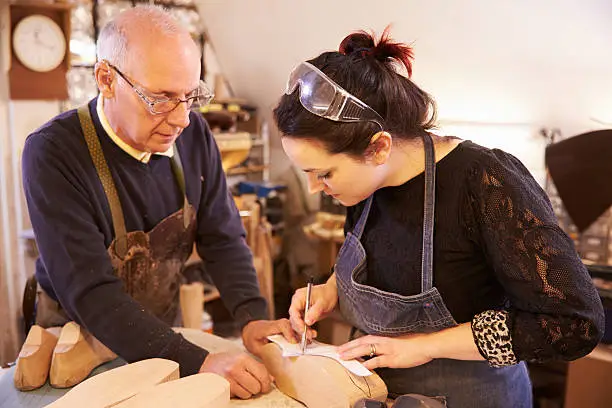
<point x="112" y="44"/>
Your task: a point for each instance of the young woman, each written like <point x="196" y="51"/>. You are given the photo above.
<point x="454" y="270"/>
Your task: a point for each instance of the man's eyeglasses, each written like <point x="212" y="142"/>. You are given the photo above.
<point x="157" y="106"/>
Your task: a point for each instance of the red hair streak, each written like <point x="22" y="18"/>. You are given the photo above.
<point x="385" y="48"/>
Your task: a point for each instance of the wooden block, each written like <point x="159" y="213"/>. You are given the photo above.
<point x="208" y="341"/>
<point x="204" y="390"/>
<point x="192" y="304"/>
<point x="588" y="379"/>
<point x="34" y="359"/>
<point x="76" y="354"/>
<point x="111" y="387"/>
<point x="250" y="214"/>
<point x="264" y="264"/>
<point x="320" y="382"/>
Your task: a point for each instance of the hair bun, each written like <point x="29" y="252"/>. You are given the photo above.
<point x="356" y="42"/>
<point x="385" y="50"/>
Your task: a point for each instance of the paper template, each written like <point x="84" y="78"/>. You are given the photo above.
<point x="315" y="348"/>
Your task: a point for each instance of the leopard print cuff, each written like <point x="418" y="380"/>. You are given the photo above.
<point x="492" y="337"/>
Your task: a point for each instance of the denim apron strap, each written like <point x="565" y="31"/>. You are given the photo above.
<point x="428" y="214"/>
<point x="358" y="230"/>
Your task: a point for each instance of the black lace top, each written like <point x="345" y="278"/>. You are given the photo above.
<point x="500" y="259"/>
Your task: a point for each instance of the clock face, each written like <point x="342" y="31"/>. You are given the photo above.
<point x="39" y="43"/>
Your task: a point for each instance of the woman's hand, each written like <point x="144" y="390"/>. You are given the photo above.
<point x="410" y="350"/>
<point x="323" y="299"/>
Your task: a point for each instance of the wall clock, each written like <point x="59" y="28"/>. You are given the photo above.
<point x="40" y="58"/>
<point x="39" y="43"/>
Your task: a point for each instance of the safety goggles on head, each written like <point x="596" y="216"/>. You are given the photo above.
<point x="323" y="97"/>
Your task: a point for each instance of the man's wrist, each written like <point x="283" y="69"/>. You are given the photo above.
<point x="250" y="313"/>
<point x="246" y="325"/>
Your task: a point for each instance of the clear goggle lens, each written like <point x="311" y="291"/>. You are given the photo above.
<point x="321" y="96"/>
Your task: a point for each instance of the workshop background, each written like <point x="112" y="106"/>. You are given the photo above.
<point x="521" y="75"/>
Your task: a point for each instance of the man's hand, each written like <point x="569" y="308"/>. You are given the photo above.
<point x="255" y="333"/>
<point x="246" y="376"/>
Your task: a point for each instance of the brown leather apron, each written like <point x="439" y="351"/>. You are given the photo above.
<point x="148" y="263"/>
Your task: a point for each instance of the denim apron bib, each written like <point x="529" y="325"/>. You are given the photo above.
<point x="374" y="311"/>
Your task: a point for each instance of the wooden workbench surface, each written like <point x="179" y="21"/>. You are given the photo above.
<point x="10" y="397"/>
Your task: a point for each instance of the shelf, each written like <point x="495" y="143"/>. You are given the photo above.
<point x="82" y="65"/>
<point x="169" y="4"/>
<point x="43" y="5"/>
<point x="246" y="170"/>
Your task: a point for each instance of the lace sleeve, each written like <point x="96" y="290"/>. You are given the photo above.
<point x="554" y="311"/>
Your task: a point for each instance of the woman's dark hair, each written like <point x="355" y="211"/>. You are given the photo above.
<point x="367" y="70"/>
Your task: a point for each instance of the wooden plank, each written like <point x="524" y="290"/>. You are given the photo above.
<point x="204" y="390"/>
<point x="119" y="384"/>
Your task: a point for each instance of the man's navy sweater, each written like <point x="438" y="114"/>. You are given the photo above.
<point x="72" y="222"/>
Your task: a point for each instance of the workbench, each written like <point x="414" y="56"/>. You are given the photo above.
<point x="12" y="398"/>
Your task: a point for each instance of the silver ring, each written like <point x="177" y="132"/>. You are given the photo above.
<point x="372" y="350"/>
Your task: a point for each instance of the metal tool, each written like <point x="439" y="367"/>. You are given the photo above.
<point x="308" y="292"/>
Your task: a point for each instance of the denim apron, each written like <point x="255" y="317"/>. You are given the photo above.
<point x="374" y="311"/>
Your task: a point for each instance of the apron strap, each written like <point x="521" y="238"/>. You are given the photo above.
<point x="97" y="155"/>
<point x="179" y="174"/>
<point x="428" y="214"/>
<point x="358" y="230"/>
<point x="95" y="150"/>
